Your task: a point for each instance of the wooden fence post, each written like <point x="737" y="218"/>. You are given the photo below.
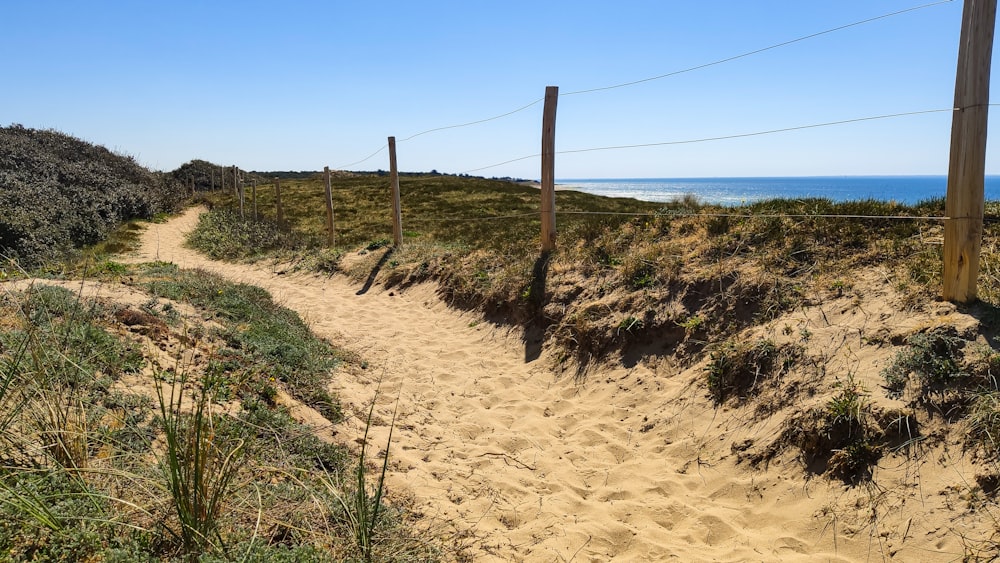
<point x="329" y="209"/>
<point x="548" y="187"/>
<point x="222" y="179"/>
<point x="964" y="204"/>
<point x="242" y="196"/>
<point x="397" y="211"/>
<point x="253" y="196"/>
<point x="277" y="201"/>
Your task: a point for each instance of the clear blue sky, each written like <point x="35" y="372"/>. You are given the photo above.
<point x="299" y="85"/>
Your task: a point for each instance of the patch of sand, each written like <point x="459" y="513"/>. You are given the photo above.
<point x="518" y="463"/>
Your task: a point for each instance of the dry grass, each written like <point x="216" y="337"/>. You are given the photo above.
<point x="92" y="470"/>
<point x="621" y="263"/>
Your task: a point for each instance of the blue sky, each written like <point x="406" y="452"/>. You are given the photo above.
<point x="300" y="85"/>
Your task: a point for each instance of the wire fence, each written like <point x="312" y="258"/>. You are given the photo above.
<point x="703" y="66"/>
<point x="743" y="213"/>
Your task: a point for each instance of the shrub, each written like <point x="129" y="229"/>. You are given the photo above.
<point x="58" y="193"/>
<point x="932" y="357"/>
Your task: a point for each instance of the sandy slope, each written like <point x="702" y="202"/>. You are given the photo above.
<point x="514" y="462"/>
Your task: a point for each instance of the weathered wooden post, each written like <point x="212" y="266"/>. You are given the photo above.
<point x="548" y="187"/>
<point x="397" y="211"/>
<point x="277" y="202"/>
<point x="329" y="209"/>
<point x="964" y="204"/>
<point x="240" y="192"/>
<point x="253" y="196"/>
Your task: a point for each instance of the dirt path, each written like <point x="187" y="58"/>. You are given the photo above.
<point x="521" y="464"/>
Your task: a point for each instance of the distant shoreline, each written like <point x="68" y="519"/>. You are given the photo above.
<point x="742" y="190"/>
<point x="538" y="185"/>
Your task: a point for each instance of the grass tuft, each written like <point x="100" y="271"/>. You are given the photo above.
<point x="199" y="467"/>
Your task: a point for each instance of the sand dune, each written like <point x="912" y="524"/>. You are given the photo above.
<point x="508" y="460"/>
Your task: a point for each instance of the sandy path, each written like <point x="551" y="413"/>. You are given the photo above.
<point x="524" y="465"/>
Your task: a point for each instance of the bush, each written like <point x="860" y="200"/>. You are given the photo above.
<point x="58" y="193"/>
<point x="933" y="358"/>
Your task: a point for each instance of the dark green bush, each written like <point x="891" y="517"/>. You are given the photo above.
<point x="58" y="193"/>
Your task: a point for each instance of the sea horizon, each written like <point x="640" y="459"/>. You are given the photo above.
<point x="737" y="190"/>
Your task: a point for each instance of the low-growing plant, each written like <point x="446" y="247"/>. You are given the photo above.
<point x="629" y="324"/>
<point x="848" y="409"/>
<point x="851" y="430"/>
<point x="263" y="338"/>
<point x="44" y="216"/>
<point x="692" y="323"/>
<point x="932" y="357"/>
<point x="222" y="233"/>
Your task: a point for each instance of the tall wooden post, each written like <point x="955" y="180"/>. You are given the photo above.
<point x="548" y="169"/>
<point x="277" y="201"/>
<point x="253" y="196"/>
<point x="212" y="172"/>
<point x="330" y="237"/>
<point x="222" y="179"/>
<point x="397" y="210"/>
<point x="240" y="193"/>
<point x="963" y="229"/>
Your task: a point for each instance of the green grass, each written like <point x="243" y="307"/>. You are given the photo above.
<point x="199" y="468"/>
<point x="633" y="257"/>
<point x="435" y="209"/>
<point x="363" y="505"/>
<point x="264" y="341"/>
<point x="984" y="422"/>
<point x="92" y="471"/>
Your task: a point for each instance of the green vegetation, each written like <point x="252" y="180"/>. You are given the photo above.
<point x="363" y="505"/>
<point x="156" y="433"/>
<point x="198" y="468"/>
<point x="478" y="240"/>
<point x="58" y="193"/>
<point x="263" y="341"/>
<point x="933" y="358"/>
<point x="854" y="436"/>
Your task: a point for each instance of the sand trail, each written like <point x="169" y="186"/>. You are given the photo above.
<point x="518" y="463"/>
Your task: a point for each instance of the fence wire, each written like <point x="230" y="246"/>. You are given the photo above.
<point x="650" y="79"/>
<point x="673" y="213"/>
<point x="725" y="137"/>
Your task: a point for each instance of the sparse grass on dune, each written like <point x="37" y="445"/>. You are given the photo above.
<point x="617" y="259"/>
<point x="680" y="280"/>
<point x="219" y="471"/>
<point x="448" y="210"/>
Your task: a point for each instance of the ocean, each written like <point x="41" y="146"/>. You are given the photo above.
<point x="736" y="191"/>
